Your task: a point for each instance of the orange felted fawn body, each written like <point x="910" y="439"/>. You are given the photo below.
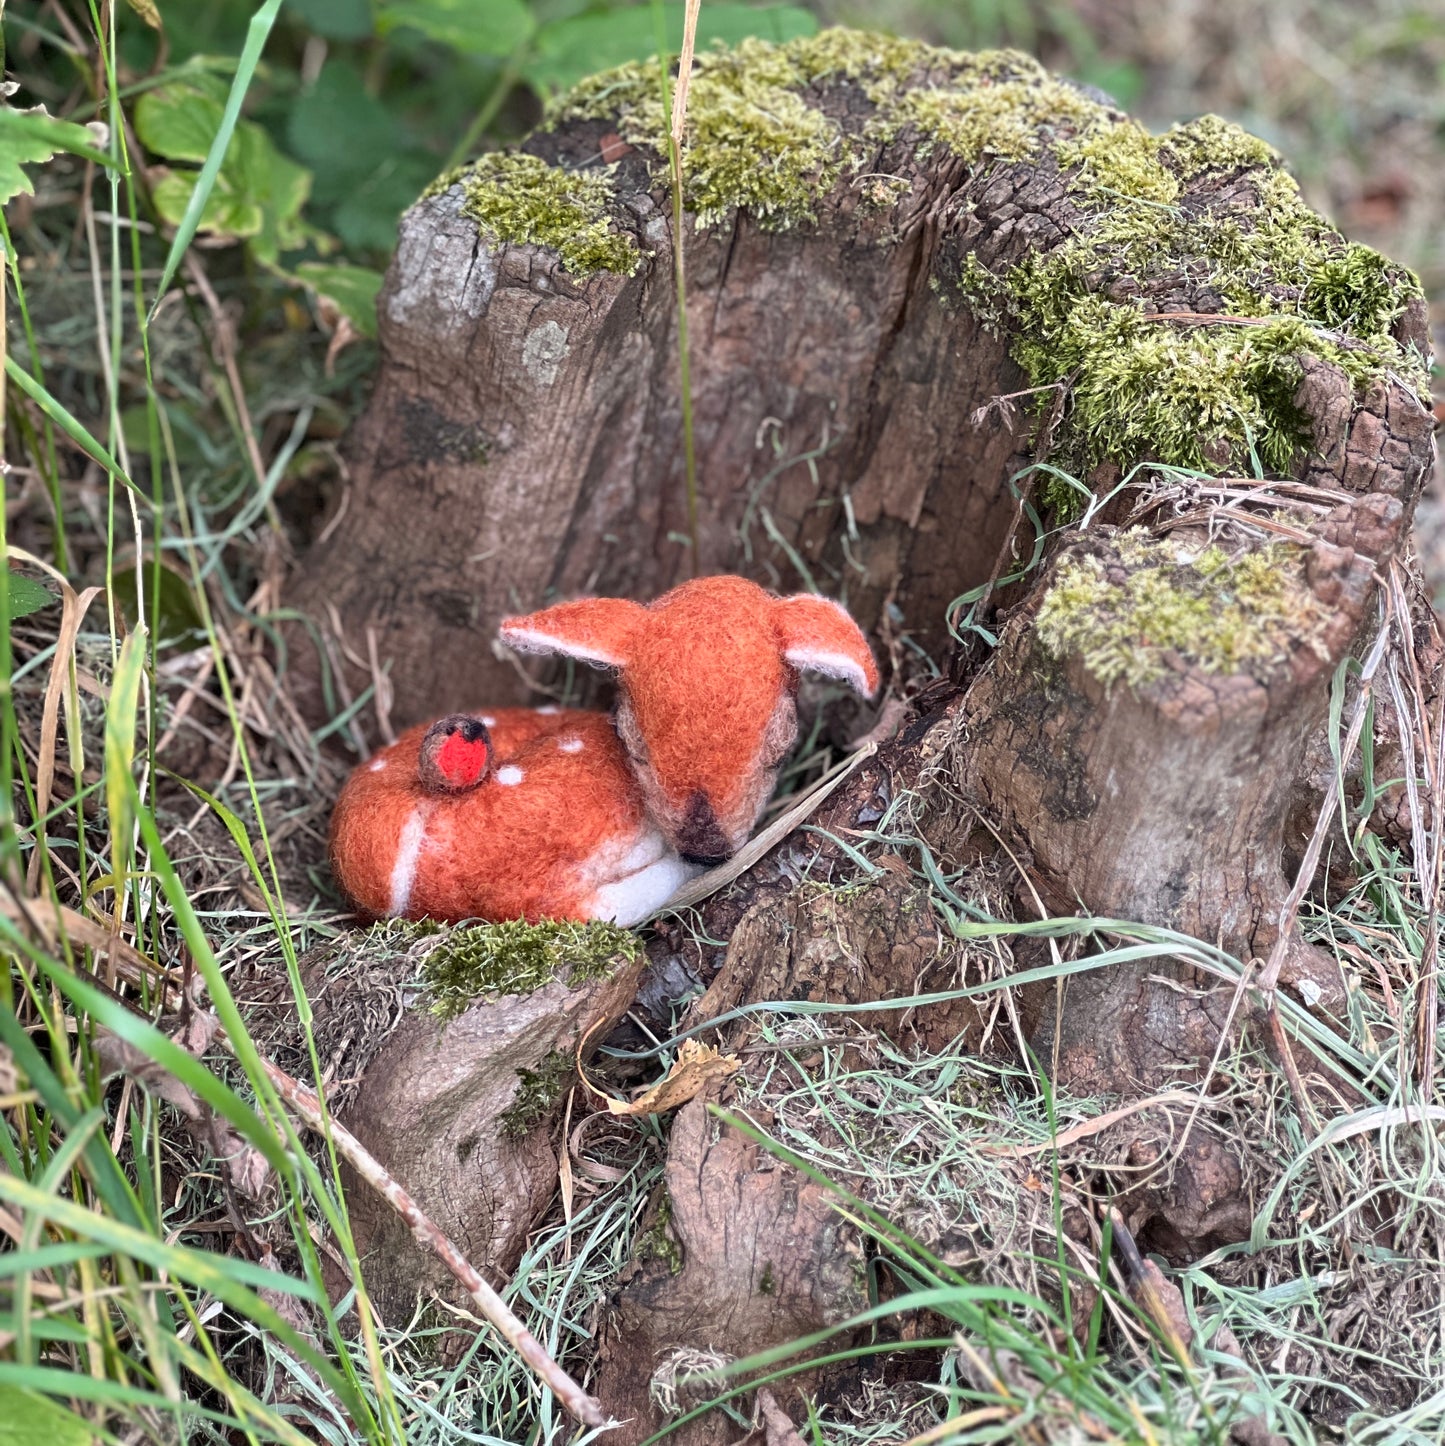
<point x="445" y="824"/>
<point x="531" y="813"/>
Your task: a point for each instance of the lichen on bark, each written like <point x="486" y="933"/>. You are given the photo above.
<point x="1125" y="614"/>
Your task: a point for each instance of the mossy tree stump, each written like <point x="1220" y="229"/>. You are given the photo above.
<point x="912" y="275"/>
<point x="882" y="239"/>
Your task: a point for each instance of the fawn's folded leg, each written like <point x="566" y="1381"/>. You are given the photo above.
<point x="631" y="899"/>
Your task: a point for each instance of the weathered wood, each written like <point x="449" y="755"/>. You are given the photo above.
<point x="459" y="1111"/>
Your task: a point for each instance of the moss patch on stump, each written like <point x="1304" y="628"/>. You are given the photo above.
<point x="1127" y="614"/>
<point x="1203" y="208"/>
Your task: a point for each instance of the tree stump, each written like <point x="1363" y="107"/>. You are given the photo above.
<point x="934" y="300"/>
<point x="459" y="1108"/>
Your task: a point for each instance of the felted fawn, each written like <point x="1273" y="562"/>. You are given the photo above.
<point x="572" y="814"/>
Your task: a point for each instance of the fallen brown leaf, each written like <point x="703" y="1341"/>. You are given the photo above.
<point x="696" y="1066"/>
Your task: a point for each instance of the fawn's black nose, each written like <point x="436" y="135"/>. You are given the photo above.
<point x="700" y="838"/>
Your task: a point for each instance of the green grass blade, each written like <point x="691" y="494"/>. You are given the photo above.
<point x="227" y="1279"/>
<point x="256" y="35"/>
<point x="54" y="1382"/>
<point x="175" y="1060"/>
<point x="105" y="1175"/>
<point x="120" y="722"/>
<point x="68" y="424"/>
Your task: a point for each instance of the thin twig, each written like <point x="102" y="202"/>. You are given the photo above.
<point x="582" y="1406"/>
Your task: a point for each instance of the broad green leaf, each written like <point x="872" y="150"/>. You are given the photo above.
<point x="29" y="137"/>
<point x="367" y="218"/>
<point x="350" y="289"/>
<point x="280" y="186"/>
<point x="334" y="19"/>
<point x="28" y="1420"/>
<point x="474" y="27"/>
<point x="25" y="596"/>
<point x="567" y="50"/>
<point x="258" y="193"/>
<point x="339" y="129"/>
<point x="179" y="122"/>
<point x="226" y="213"/>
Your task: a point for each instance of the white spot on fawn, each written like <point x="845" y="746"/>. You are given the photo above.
<point x="549" y="710"/>
<point x="488" y="721"/>
<point x="403" y="871"/>
<point x="377" y="764"/>
<point x="570" y="745"/>
<point x="510" y="774"/>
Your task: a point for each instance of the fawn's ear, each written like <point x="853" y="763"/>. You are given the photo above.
<point x="816" y="633"/>
<point x="594" y="630"/>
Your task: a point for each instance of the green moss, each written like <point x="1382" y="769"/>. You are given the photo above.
<point x="517" y="958"/>
<point x="754" y="139"/>
<point x="1357" y="290"/>
<point x="1219" y="613"/>
<point x="767" y="1285"/>
<point x="537" y="1091"/>
<point x="520" y="198"/>
<point x="1008" y="120"/>
<point x="1212" y="399"/>
<point x="1213" y="144"/>
<point x="658" y="1242"/>
<point x="1122" y="160"/>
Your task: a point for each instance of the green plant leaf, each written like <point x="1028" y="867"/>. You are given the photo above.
<point x="178" y="121"/>
<point x="366" y="168"/>
<point x="567" y="50"/>
<point x="29" y="137"/>
<point x="25" y="596"/>
<point x="339" y="129"/>
<point x="257" y="193"/>
<point x="350" y="289"/>
<point x="491" y="27"/>
<point x="177" y="623"/>
<point x="26" y="1419"/>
